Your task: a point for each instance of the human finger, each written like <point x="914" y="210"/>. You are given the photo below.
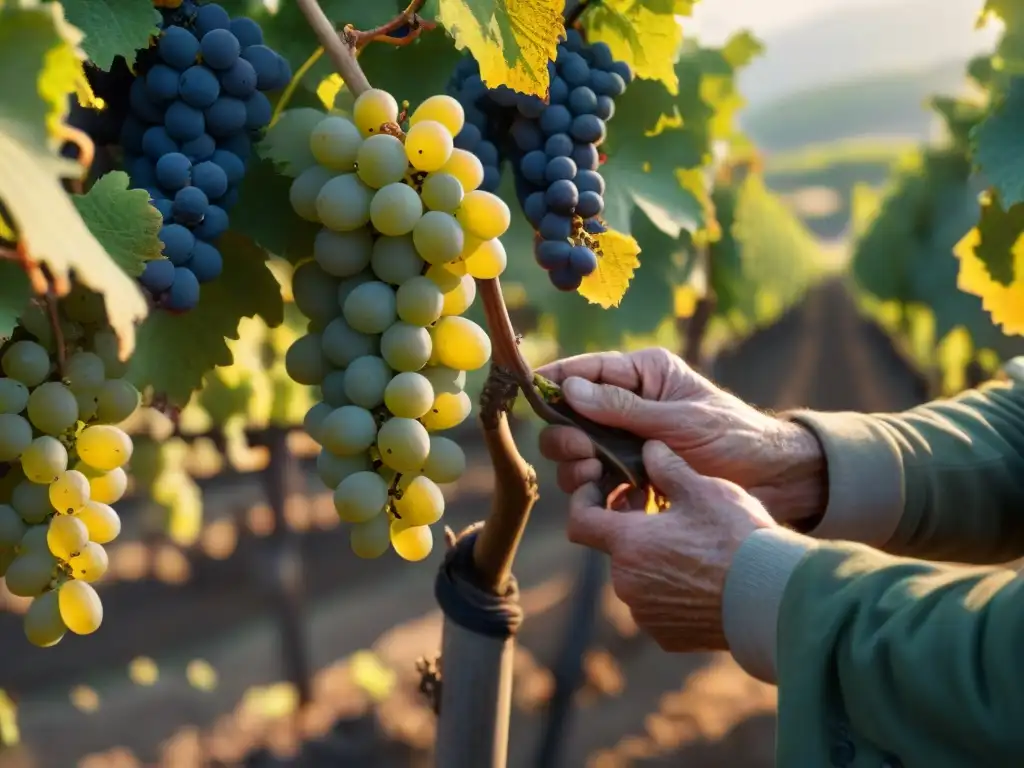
<point x="590" y="522"/>
<point x="614" y="406"/>
<point x="604" y="367"/>
<point x="572" y="474"/>
<point x="671" y="475"/>
<point x="559" y="443"/>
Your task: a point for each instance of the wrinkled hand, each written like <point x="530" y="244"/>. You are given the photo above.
<point x="656" y="396"/>
<point x="670" y="568"/>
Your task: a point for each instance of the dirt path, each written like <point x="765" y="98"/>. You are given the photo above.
<point x="641" y="707"/>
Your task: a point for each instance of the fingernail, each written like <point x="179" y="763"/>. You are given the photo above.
<point x="579" y="389"/>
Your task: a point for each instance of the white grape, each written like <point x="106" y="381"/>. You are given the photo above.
<point x="104" y="447"/>
<point x="360" y="497"/>
<point x="66" y="536"/>
<point x="460" y="343"/>
<point x="442" y="192"/>
<point x="69" y="492"/>
<point x="52" y="408"/>
<point x="35" y="539"/>
<point x="15" y="436"/>
<point x="466" y="167"/>
<point x="395" y="260"/>
<point x="104" y="487"/>
<point x="100" y="520"/>
<point x="305" y="190"/>
<point x="488" y="260"/>
<point x="371" y="307"/>
<point x="445" y="379"/>
<point x="444" y="276"/>
<point x="421" y="501"/>
<point x="409" y="395"/>
<point x="31" y="501"/>
<point x="428" y="145"/>
<point x="30" y="573"/>
<point x="438" y="237"/>
<point x="27" y="362"/>
<point x="106" y="345"/>
<point x="11" y="527"/>
<point x="381" y="161"/>
<point x="447" y="411"/>
<point x="334" y="142"/>
<point x="349" y="284"/>
<point x="80" y="607"/>
<point x="332" y="389"/>
<point x="44" y="459"/>
<point x="13" y="396"/>
<point x="419" y="301"/>
<point x="116" y="400"/>
<point x="315" y="292"/>
<point x="484" y="214"/>
<point x="90" y="563"/>
<point x="446" y="462"/>
<point x="42" y="623"/>
<point x="88" y="405"/>
<point x="333" y="469"/>
<point x="344" y="203"/>
<point x="411" y="543"/>
<point x="312" y="422"/>
<point x="372" y="109"/>
<point x="403" y="444"/>
<point x="342" y="344"/>
<point x="442" y="109"/>
<point x="371" y="539"/>
<point x="460" y="298"/>
<point x="365" y="381"/>
<point x="305" y="361"/>
<point x="84" y="372"/>
<point x="343" y="254"/>
<point x="348" y="430"/>
<point x="395" y="209"/>
<point x="406" y="347"/>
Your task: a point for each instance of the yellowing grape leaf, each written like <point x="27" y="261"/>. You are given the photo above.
<point x="1005" y="303"/>
<point x="113" y="27"/>
<point x="643" y="33"/>
<point x="616" y="263"/>
<point x="123" y="221"/>
<point x="513" y="40"/>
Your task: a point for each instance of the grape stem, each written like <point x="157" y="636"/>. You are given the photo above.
<point x="343" y="55"/>
<point x="58" y="335"/>
<point x="409" y="17"/>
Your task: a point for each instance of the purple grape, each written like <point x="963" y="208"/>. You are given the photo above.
<point x="582" y="260"/>
<point x="565" y="278"/>
<point x="590" y="204"/>
<point x="558" y="144"/>
<point x="562" y="197"/>
<point x="158" y="275"/>
<point x="553" y="254"/>
<point x="559" y="168"/>
<point x="555" y="227"/>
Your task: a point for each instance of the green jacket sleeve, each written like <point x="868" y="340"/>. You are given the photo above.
<point x="944" y="481"/>
<point x="881" y="661"/>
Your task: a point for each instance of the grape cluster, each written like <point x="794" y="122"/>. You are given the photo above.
<point x="406" y="230"/>
<point x="553" y="146"/>
<point x="58" y="438"/>
<point x="194" y="109"/>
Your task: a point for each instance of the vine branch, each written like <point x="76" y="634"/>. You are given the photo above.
<point x="409" y="17"/>
<point x="342" y="54"/>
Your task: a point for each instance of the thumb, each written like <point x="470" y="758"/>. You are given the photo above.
<point x="670" y="474"/>
<point x="613" y="406"/>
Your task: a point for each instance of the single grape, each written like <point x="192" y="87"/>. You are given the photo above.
<point x="239" y="80"/>
<point x="371" y="539"/>
<point x="371" y="307"/>
<point x="272" y="71"/>
<point x="488" y="153"/>
<point x="84" y="371"/>
<point x="341" y="344"/>
<point x="534" y="208"/>
<point x="190" y="206"/>
<point x="11" y="527"/>
<point x="219" y="48"/>
<point x="395" y="209"/>
<point x="428" y="145"/>
<point x="305" y="190"/>
<point x="31" y="501"/>
<point x="586" y="157"/>
<point x="343" y="203"/>
<point x="466" y="167"/>
<point x="43" y="625"/>
<point x="555" y="226"/>
<point x="206" y="262"/>
<point x="468" y="137"/>
<point x="403" y="444"/>
<point x="406" y="347"/>
<point x="117" y="399"/>
<point x="365" y="380"/>
<point x="100" y="520"/>
<point x="565" y="278"/>
<point x="184" y="293"/>
<point x="442" y="109"/>
<point x="210" y="17"/>
<point x="589" y="181"/>
<point x="360" y="497"/>
<point x="419" y="301"/>
<point x="315" y="292"/>
<point x="562" y="197"/>
<point x="447" y="411"/>
<point x="487" y="261"/>
<point x="198" y="86"/>
<point x="66" y="536"/>
<point x="381" y="160"/>
<point x="558" y="92"/>
<point x="305" y="361"/>
<point x="27" y="362"/>
<point x="484" y="214"/>
<point x="348" y="430"/>
<point x="15" y="436"/>
<point x="460" y="343"/>
<point x="422" y="502"/>
<point x="178" y="242"/>
<point x="442" y="192"/>
<point x="589" y="129"/>
<point x="582" y="260"/>
<point x="184" y="123"/>
<point x="90" y="563"/>
<point x="408" y="395"/>
<point x="210" y="178"/>
<point x="104" y="447"/>
<point x="80" y="607"/>
<point x="13" y="396"/>
<point x="372" y="109"/>
<point x="333" y="469"/>
<point x="247" y="31"/>
<point x="312" y="422"/>
<point x="44" y="459"/>
<point x="178" y="47"/>
<point x="156" y="143"/>
<point x="258" y="112"/>
<point x="335" y="143"/>
<point x="574" y="69"/>
<point x="104" y="487"/>
<point x="52" y="408"/>
<point x="438" y="237"/>
<point x="559" y="168"/>
<point x="173" y="172"/>
<point x="526" y="135"/>
<point x="411" y="543"/>
<point x="556" y="119"/>
<point x="69" y="492"/>
<point x="343" y="254"/>
<point x="533" y="166"/>
<point x="605" y="108"/>
<point x="200" y="148"/>
<point x="395" y="259"/>
<point x="30" y="573"/>
<point x="446" y="462"/>
<point x="460" y="297"/>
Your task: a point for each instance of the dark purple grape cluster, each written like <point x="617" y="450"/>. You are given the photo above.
<point x="553" y="147"/>
<point x="196" y="105"/>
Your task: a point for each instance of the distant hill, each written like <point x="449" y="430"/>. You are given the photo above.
<point x="853" y="43"/>
<point x="883" y="106"/>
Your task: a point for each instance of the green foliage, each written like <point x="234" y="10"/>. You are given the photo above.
<point x="112" y="27"/>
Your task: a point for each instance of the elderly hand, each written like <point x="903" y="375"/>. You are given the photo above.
<point x="655" y="395"/>
<point x="670" y="568"/>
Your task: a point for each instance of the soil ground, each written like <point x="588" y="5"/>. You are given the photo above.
<point x="640" y="707"/>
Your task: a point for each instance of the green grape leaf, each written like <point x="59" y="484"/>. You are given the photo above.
<point x="177" y="351"/>
<point x="15" y="294"/>
<point x="997" y="145"/>
<point x="998" y="232"/>
<point x="265" y="213"/>
<point x="741" y="49"/>
<point x="123" y="221"/>
<point x="113" y="27"/>
<point x="286" y="143"/>
<point x="513" y="40"/>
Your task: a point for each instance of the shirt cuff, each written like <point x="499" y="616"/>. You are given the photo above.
<point x="753" y="593"/>
<point x="865" y="477"/>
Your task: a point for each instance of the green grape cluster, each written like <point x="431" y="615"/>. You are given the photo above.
<point x="65" y="464"/>
<point x="406" y="232"/>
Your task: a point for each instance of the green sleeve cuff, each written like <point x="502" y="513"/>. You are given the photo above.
<point x="865" y="477"/>
<point x="753" y="594"/>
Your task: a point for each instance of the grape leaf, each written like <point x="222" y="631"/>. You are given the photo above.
<point x="15" y="294"/>
<point x="286" y="142"/>
<point x="513" y="40"/>
<point x="123" y="221"/>
<point x="1005" y="303"/>
<point x="113" y="27"/>
<point x="176" y="351"/>
<point x="643" y="33"/>
<point x="616" y="262"/>
<point x="998" y="232"/>
<point x="996" y="142"/>
<point x="265" y="213"/>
